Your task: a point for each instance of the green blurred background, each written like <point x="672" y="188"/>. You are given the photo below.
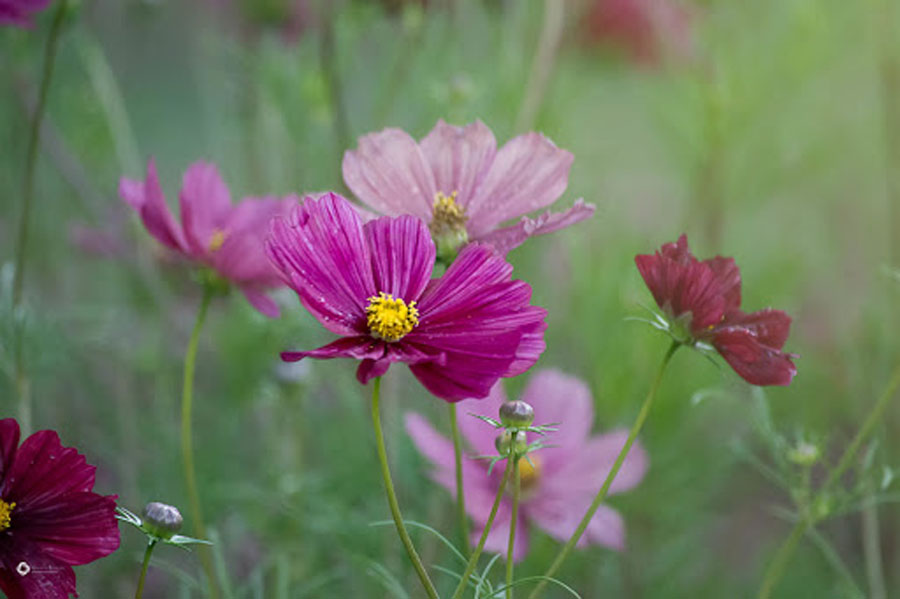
<point x="763" y="129"/>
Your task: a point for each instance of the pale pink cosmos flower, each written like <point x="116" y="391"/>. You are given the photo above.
<point x="563" y="480"/>
<point x="457" y="180"/>
<point x="225" y="237"/>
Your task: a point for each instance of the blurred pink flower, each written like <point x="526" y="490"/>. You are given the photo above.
<point x="18" y="12"/>
<point x="646" y="30"/>
<point x="456" y="180"/>
<point x="558" y="489"/>
<point x="290" y="18"/>
<point x="213" y="232"/>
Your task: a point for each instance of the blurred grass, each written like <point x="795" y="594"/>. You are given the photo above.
<point x="789" y="89"/>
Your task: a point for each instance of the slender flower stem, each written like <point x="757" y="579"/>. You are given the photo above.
<point x="784" y="554"/>
<point x="517" y="489"/>
<point x="187" y="443"/>
<point x="460" y="494"/>
<point x="473" y="559"/>
<point x="544" y="61"/>
<point x="140" y="585"/>
<point x="23" y="391"/>
<point x="392" y="496"/>
<point x="620" y="459"/>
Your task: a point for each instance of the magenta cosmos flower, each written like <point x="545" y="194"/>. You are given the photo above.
<point x="18" y="12"/>
<point x="371" y="284"/>
<point x="561" y="481"/>
<point x="702" y="300"/>
<point x="457" y="181"/>
<point x="213" y="232"/>
<point x="49" y="518"/>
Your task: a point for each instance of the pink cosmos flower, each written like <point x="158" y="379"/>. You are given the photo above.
<point x="703" y="300"/>
<point x="563" y="480"/>
<point x="224" y="237"/>
<point x="457" y="181"/>
<point x="18" y="12"/>
<point x="647" y="30"/>
<point x="371" y="284"/>
<point x="50" y="519"/>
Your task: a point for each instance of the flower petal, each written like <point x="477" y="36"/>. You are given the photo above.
<point x="9" y="443"/>
<point x="147" y="198"/>
<point x="758" y="364"/>
<point x="563" y="399"/>
<point x="264" y="304"/>
<point x="388" y="172"/>
<point x="729" y="276"/>
<point x="588" y="465"/>
<point x="402" y="255"/>
<point x="508" y="238"/>
<point x="322" y="252"/>
<point x="498" y="538"/>
<point x="43" y="471"/>
<point x="479" y="434"/>
<point x="527" y="174"/>
<point x="396" y="352"/>
<point x="459" y="157"/>
<point x="559" y="518"/>
<point x="44" y="578"/>
<point x="360" y="347"/>
<point x="205" y="205"/>
<point x="75" y="529"/>
<point x="770" y="326"/>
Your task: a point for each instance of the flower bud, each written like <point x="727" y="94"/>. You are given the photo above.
<point x="503" y="442"/>
<point x="516" y="414"/>
<point x="520" y="443"/>
<point x="162" y="520"/>
<point x="804" y="454"/>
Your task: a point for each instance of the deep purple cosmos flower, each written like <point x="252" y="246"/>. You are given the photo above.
<point x="703" y="300"/>
<point x="213" y="232"/>
<point x="49" y="518"/>
<point x="561" y="481"/>
<point x="18" y="12"/>
<point x="457" y="181"/>
<point x="371" y="284"/>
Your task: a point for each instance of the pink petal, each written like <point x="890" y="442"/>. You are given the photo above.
<point x="587" y="466"/>
<point x="508" y="238"/>
<point x="729" y="276"/>
<point x="205" y="205"/>
<point x="147" y="198"/>
<point x="321" y="250"/>
<point x="459" y="157"/>
<point x="758" y="364"/>
<point x="498" y="538"/>
<point x="9" y="443"/>
<point x="560" y="398"/>
<point x="771" y="327"/>
<point x="47" y="578"/>
<point x="559" y="518"/>
<point x="77" y="528"/>
<point x="397" y="352"/>
<point x="388" y="172"/>
<point x="479" y="434"/>
<point x="264" y="304"/>
<point x="360" y="347"/>
<point x="528" y="173"/>
<point x="43" y="471"/>
<point x="402" y="255"/>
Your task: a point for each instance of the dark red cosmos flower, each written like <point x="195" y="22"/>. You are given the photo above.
<point x="703" y="300"/>
<point x="49" y="518"/>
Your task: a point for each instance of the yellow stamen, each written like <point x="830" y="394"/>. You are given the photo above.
<point x="5" y="511"/>
<point x="390" y="319"/>
<point x="529" y="473"/>
<point x="216" y="241"/>
<point x="447" y="215"/>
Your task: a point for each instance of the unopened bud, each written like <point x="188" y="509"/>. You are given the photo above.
<point x="503" y="442"/>
<point x="162" y="520"/>
<point x="804" y="454"/>
<point x="516" y="414"/>
<point x="520" y="443"/>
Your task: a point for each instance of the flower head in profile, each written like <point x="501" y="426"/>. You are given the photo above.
<point x="702" y="301"/>
<point x="561" y="480"/>
<point x="50" y="520"/>
<point x="457" y="181"/>
<point x="18" y="12"/>
<point x="371" y="284"/>
<point x="215" y="233"/>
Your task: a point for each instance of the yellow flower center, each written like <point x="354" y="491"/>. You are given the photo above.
<point x="529" y="473"/>
<point x="390" y="319"/>
<point x="217" y="240"/>
<point x="5" y="511"/>
<point x="447" y="215"/>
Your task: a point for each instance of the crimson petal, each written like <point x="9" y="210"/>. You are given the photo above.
<point x="758" y="364"/>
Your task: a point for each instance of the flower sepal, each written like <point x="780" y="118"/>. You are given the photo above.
<point x="156" y="533"/>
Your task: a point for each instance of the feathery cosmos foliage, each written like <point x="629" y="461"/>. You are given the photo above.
<point x="50" y="519"/>
<point x="371" y="284"/>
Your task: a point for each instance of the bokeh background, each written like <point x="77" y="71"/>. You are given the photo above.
<point x="766" y="130"/>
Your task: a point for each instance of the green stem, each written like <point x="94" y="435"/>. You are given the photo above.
<point x="460" y="494"/>
<point x="140" y="585"/>
<point x="784" y="554"/>
<point x="517" y="488"/>
<point x="473" y="559"/>
<point x="187" y="443"/>
<point x="392" y="496"/>
<point x="620" y="459"/>
<point x="23" y="391"/>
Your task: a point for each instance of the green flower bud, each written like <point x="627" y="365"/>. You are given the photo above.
<point x="516" y="414"/>
<point x="503" y="442"/>
<point x="804" y="454"/>
<point x="162" y="520"/>
<point x="520" y="443"/>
